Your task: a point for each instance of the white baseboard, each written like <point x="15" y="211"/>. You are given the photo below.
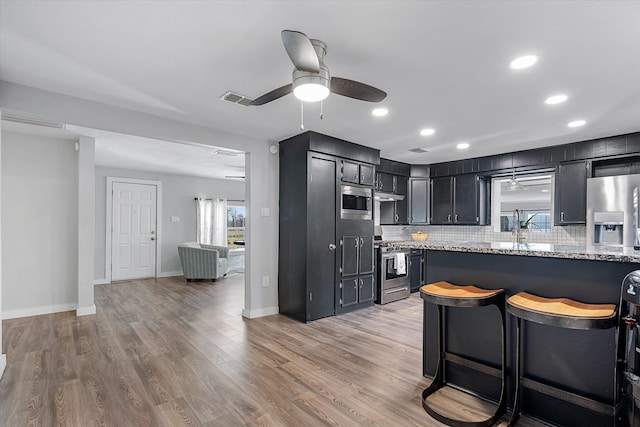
<point x="101" y="282"/>
<point x="170" y="274"/>
<point x="3" y="363"/>
<point x="36" y="311"/>
<point x="86" y="311"/>
<point x="261" y="312"/>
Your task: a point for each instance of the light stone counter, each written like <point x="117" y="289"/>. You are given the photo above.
<point x="595" y="253"/>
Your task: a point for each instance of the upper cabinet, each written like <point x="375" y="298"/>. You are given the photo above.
<point x="571" y="193"/>
<point x="358" y="173"/>
<point x="459" y="200"/>
<point x="418" y="200"/>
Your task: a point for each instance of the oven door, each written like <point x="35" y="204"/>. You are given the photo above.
<point x="392" y="274"/>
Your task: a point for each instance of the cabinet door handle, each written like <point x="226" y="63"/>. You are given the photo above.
<point x="456" y="220"/>
<point x="397" y="218"/>
<point x="448" y="218"/>
<point x="561" y="216"/>
<point x="332" y="247"/>
<point x="361" y="283"/>
<point x="361" y="242"/>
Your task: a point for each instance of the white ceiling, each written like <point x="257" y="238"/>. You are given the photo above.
<point x="443" y="64"/>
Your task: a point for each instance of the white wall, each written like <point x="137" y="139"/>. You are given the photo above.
<point x="3" y="357"/>
<point x="39" y="224"/>
<point x="178" y="193"/>
<point x="262" y="170"/>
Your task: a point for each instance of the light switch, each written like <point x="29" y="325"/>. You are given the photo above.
<point x="175" y="219"/>
<point x="265" y="212"/>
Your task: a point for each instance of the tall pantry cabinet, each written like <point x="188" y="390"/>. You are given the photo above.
<point x="310" y="258"/>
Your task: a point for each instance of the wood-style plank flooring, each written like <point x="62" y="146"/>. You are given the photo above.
<point x="167" y="353"/>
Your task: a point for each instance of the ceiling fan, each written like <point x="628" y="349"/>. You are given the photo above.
<point x="312" y="81"/>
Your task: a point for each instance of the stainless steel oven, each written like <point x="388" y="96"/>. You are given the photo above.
<point x="393" y="275"/>
<point x="356" y="202"/>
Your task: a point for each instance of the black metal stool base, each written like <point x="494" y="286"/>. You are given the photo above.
<point x="544" y="318"/>
<point x="439" y="378"/>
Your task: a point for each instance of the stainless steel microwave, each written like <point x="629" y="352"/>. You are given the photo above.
<point x="356" y="202"/>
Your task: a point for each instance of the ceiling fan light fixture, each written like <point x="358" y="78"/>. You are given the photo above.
<point x="311" y="87"/>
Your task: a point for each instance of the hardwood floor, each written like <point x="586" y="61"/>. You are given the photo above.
<point x="167" y="353"/>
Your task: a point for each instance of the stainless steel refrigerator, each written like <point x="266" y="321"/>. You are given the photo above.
<point x="612" y="211"/>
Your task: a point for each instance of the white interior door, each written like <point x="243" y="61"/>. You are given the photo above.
<point x="133" y="243"/>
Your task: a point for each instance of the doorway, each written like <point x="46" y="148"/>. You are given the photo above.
<point x="132" y="231"/>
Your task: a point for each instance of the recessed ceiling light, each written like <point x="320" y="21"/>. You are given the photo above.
<point x="462" y="146"/>
<point x="523" y="62"/>
<point x="427" y="132"/>
<point x="576" y="123"/>
<point x="379" y="112"/>
<point x="556" y="99"/>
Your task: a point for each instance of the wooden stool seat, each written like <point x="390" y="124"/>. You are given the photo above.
<point x="445" y="293"/>
<point x="562" y="312"/>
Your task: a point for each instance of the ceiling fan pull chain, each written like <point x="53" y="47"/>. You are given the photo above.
<point x="321" y="110"/>
<point x="301" y="115"/>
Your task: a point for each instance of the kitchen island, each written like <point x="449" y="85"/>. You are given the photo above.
<point x="580" y="361"/>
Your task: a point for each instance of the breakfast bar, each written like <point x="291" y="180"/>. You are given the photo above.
<point x="554" y="355"/>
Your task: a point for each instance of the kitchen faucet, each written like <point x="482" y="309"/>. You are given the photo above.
<point x="517" y="230"/>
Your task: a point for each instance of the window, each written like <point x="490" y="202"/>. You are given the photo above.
<point x="236" y="218"/>
<point x="530" y="194"/>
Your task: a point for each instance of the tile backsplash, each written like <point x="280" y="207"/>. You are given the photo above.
<point x="564" y="235"/>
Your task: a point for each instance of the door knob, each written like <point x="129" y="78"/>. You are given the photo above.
<point x="332" y="247"/>
<point x="153" y="238"/>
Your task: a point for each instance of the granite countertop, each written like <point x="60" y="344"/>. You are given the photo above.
<point x="595" y="253"/>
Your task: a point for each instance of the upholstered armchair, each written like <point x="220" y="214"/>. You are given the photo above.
<point x="200" y="261"/>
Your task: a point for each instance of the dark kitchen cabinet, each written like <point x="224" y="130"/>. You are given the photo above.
<point x="357" y="285"/>
<point x="307" y="220"/>
<point x="418" y="200"/>
<point x="357" y="255"/>
<point x="358" y="173"/>
<point x="310" y="256"/>
<point x="571" y="193"/>
<point x="367" y="175"/>
<point x="393" y="212"/>
<point x="354" y="291"/>
<point x="415" y="269"/>
<point x="441" y="200"/>
<point x="459" y="200"/>
<point x="401" y="205"/>
<point x="349" y="292"/>
<point x="385" y="182"/>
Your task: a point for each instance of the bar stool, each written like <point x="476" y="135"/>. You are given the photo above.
<point x="447" y="294"/>
<point x="562" y="313"/>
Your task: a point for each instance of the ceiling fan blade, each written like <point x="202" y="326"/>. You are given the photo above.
<point x="301" y="51"/>
<point x="273" y="95"/>
<point x="356" y="90"/>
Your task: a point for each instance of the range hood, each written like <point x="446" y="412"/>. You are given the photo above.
<point x="387" y="197"/>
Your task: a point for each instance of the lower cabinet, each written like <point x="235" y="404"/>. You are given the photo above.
<point x="357" y="290"/>
<point x="415" y="269"/>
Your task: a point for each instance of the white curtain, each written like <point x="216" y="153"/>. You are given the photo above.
<point x="211" y="221"/>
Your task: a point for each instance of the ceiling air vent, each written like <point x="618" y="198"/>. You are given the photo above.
<point x="236" y="98"/>
<point x="223" y="152"/>
<point x="419" y="150"/>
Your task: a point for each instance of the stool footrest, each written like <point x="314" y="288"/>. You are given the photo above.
<point x="576" y="399"/>
<point x="477" y="366"/>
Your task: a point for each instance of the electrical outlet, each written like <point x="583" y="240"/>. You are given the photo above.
<point x="265" y="281"/>
<point x="265" y="212"/>
<point x="175" y="219"/>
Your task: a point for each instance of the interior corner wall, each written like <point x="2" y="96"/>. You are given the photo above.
<point x="39" y="225"/>
<point x="178" y="193"/>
